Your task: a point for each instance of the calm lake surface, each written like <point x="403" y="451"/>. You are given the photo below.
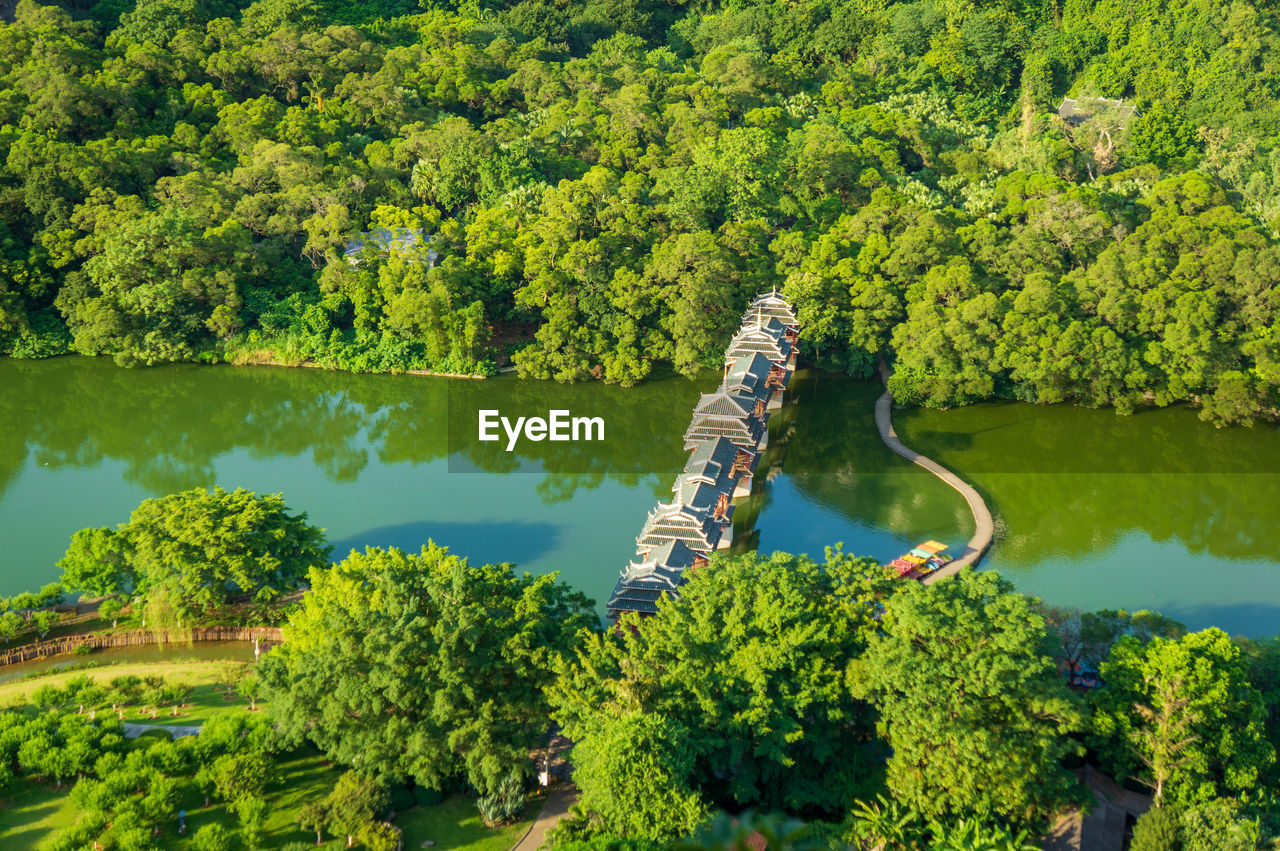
<point x="394" y="460"/>
<point x="382" y="460"/>
<point x="1156" y="510"/>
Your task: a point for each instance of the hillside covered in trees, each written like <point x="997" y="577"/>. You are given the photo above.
<point x="599" y="184"/>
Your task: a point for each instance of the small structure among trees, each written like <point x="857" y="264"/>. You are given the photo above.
<point x="387" y="241"/>
<point x="1076" y="111"/>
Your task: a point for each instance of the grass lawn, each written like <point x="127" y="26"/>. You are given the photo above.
<point x="189" y="672"/>
<point x="205" y="702"/>
<point x="207" y="697"/>
<point x="32" y="812"/>
<point x="304" y="776"/>
<point x="455" y="823"/>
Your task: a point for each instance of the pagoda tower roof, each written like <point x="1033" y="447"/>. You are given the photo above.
<point x="656" y="571"/>
<point x="693" y="525"/>
<point x="748" y="376"/>
<point x="769" y="340"/>
<point x="723" y="403"/>
<point x="741" y="431"/>
<point x="768" y="305"/>
<point x="712" y="460"/>
<point x="700" y="494"/>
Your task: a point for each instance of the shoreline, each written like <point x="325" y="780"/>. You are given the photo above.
<point x="310" y="364"/>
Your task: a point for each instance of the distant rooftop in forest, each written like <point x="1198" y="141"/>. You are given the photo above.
<point x="1078" y="110"/>
<point x="397" y="240"/>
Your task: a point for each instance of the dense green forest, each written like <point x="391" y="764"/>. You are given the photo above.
<point x="600" y="184"/>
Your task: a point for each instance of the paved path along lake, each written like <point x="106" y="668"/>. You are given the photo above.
<point x="392" y="460"/>
<point x="984" y="525"/>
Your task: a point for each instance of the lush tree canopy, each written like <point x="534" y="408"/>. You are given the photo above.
<point x="735" y="691"/>
<point x="970" y="701"/>
<point x="197" y="549"/>
<point x="423" y="666"/>
<point x="1182" y="717"/>
<point x="586" y="189"/>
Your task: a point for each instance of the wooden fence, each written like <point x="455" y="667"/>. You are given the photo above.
<point x="263" y="636"/>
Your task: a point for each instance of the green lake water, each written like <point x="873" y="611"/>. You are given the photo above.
<point x="1157" y="510"/>
<point x="394" y="460"/>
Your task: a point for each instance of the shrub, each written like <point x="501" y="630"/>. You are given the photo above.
<point x="1157" y="830"/>
<point x="425" y="796"/>
<point x="505" y="803"/>
<point x="213" y="837"/>
<point x="1221" y="826"/>
<point x="48" y="696"/>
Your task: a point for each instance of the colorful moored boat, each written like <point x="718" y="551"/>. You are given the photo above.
<point x="921" y="561"/>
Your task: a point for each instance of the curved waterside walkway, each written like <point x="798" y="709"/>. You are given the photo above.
<point x="983" y="524"/>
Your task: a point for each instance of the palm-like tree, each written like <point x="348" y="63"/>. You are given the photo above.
<point x="883" y="825"/>
<point x="566" y="134"/>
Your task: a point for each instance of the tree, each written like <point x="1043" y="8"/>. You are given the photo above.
<point x="43" y="622"/>
<point x="453" y="660"/>
<point x="635" y="777"/>
<point x="354" y="803"/>
<point x="111" y="609"/>
<point x="199" y="548"/>
<point x="241" y="776"/>
<point x="250" y="688"/>
<point x="1161" y="136"/>
<point x="1228" y="825"/>
<point x="382" y="836"/>
<point x="51" y="595"/>
<point x="162" y="286"/>
<point x="1158" y="829"/>
<point x="1165" y="741"/>
<point x="251" y="813"/>
<point x="314" y="816"/>
<point x="97" y="563"/>
<point x="769" y="722"/>
<point x="157" y="21"/>
<point x="1181" y="716"/>
<point x="1263" y="659"/>
<point x="970" y="702"/>
<point x="213" y="837"/>
<point x="11" y="624"/>
<point x="1087" y="637"/>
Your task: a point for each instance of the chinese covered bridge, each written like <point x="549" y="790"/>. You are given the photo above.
<point x="728" y="433"/>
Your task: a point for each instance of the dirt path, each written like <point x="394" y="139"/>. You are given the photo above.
<point x="984" y="526"/>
